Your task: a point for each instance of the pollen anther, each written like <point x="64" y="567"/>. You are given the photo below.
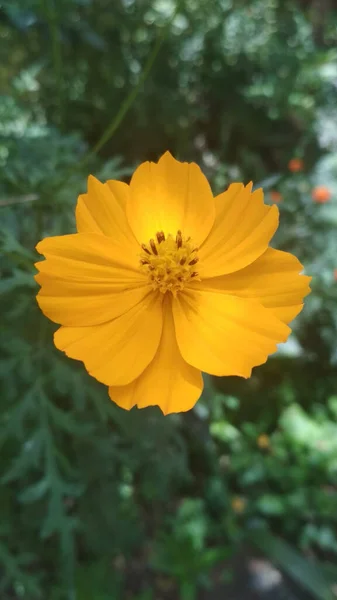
<point x="153" y="246"/>
<point x="145" y="249"/>
<point x="160" y="236"/>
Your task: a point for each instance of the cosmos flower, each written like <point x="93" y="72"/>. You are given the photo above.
<point x="295" y="165"/>
<point x="321" y="194"/>
<point x="164" y="281"/>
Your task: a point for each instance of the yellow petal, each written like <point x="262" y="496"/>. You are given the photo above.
<point x="120" y="190"/>
<point x="101" y="210"/>
<point x="273" y="279"/>
<point x="74" y="303"/>
<point x="117" y="352"/>
<point x="168" y="382"/>
<point x="85" y="281"/>
<point x="242" y="230"/>
<point x="96" y="252"/>
<point x="225" y="335"/>
<point x="85" y="220"/>
<point x="170" y="196"/>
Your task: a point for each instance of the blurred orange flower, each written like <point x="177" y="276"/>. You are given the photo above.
<point x="275" y="196"/>
<point x="335" y="274"/>
<point x="295" y="165"/>
<point x="321" y="194"/>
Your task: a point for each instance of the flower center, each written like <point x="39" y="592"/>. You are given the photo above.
<point x="169" y="262"/>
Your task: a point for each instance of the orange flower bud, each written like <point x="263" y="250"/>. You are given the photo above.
<point x="275" y="196"/>
<point x="295" y="165"/>
<point x="321" y="194"/>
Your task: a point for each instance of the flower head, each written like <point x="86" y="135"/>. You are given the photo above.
<point x="163" y="281"/>
<point x="263" y="441"/>
<point x="238" y="504"/>
<point x="295" y="165"/>
<point x="275" y="196"/>
<point x="321" y="194"/>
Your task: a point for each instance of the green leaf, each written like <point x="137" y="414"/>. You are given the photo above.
<point x="223" y="431"/>
<point x="271" y="505"/>
<point x="34" y="492"/>
<point x="332" y="404"/>
<point x="18" y="279"/>
<point x="308" y="574"/>
<point x="188" y="590"/>
<point x="66" y="421"/>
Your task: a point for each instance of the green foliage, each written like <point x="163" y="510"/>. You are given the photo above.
<point x="182" y="553"/>
<point x="288" y="478"/>
<point x="98" y="503"/>
<point x="306" y="573"/>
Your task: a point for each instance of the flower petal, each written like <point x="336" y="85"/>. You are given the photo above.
<point x="85" y="220"/>
<point x="102" y="210"/>
<point x="81" y="303"/>
<point x="96" y="251"/>
<point x="225" y="335"/>
<point x="242" y="230"/>
<point x="85" y="280"/>
<point x="168" y="381"/>
<point x="170" y="196"/>
<point x="120" y="190"/>
<point x="117" y="352"/>
<point x="273" y="279"/>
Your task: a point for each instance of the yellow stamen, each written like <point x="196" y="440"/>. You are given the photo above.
<point x="169" y="262"/>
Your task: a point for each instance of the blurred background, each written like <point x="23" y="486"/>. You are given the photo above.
<point x="236" y="499"/>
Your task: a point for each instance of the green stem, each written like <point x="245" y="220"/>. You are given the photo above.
<point x="128" y="102"/>
<point x="126" y="105"/>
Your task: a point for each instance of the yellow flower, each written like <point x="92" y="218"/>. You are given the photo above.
<point x="263" y="441"/>
<point x="238" y="504"/>
<point x="163" y="281"/>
